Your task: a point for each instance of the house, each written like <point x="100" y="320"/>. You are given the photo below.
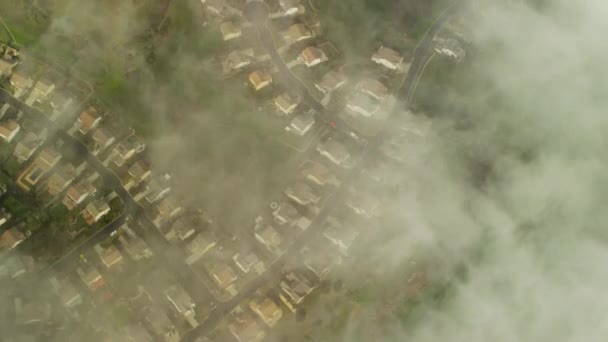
<point x="77" y="193"/>
<point x="216" y="7"/>
<point x="302" y="194"/>
<point x="248" y="260"/>
<point x="267" y="310"/>
<point x="87" y="120"/>
<point x="11" y="238"/>
<point x="230" y="30"/>
<point x="319" y="262"/>
<point x="12" y="266"/>
<point x="388" y="58"/>
<point x="223" y="275"/>
<point x="95" y="210"/>
<point x="91" y="278"/>
<point x="318" y="174"/>
<point x="181" y="300"/>
<point x="60" y="105"/>
<point x="286" y="213"/>
<point x="26" y="147"/>
<point x="339" y="235"/>
<point x="4" y="216"/>
<point x="331" y="81"/>
<point x="373" y="88"/>
<point x="137" y="173"/>
<point x="416" y="124"/>
<point x="449" y="47"/>
<point x="60" y="179"/>
<point x="126" y="149"/>
<point x="33" y="312"/>
<point x="110" y="256"/>
<point x="269" y="237"/>
<point x="301" y="123"/>
<point x="290" y="7"/>
<point x="69" y="296"/>
<point x="135" y="247"/>
<point x="6" y="67"/>
<point x="9" y="130"/>
<point x="167" y="208"/>
<point x="334" y="151"/>
<point x="183" y="228"/>
<point x="363" y="204"/>
<point x="237" y="60"/>
<point x="161" y="325"/>
<point x="44" y="162"/>
<point x="260" y="79"/>
<point x="202" y="243"/>
<point x="245" y="329"/>
<point x="363" y="105"/>
<point x="312" y="56"/>
<point x="102" y="139"/>
<point x="294" y="289"/>
<point x="296" y="33"/>
<point x="286" y="103"/>
<point x="157" y="189"/>
<point x="20" y="84"/>
<point x="41" y="90"/>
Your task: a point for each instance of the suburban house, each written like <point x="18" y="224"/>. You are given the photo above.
<point x="126" y="149"/>
<point x="6" y="67"/>
<point x="62" y="178"/>
<point x="331" y="81"/>
<point x="167" y="208"/>
<point x="20" y="84"/>
<point x="223" y="275"/>
<point x="69" y="296"/>
<point x="373" y="88"/>
<point x="312" y="56"/>
<point x="77" y="193"/>
<point x="181" y="300"/>
<point x="135" y="246"/>
<point x="60" y="105"/>
<point x="202" y="243"/>
<point x="216" y="7"/>
<point x="183" y="228"/>
<point x="302" y="194"/>
<point x="237" y="60"/>
<point x="363" y="104"/>
<point x="363" y="203"/>
<point x="294" y="289"/>
<point x="286" y="213"/>
<point x="91" y="278"/>
<point x="11" y="238"/>
<point x="87" y="120"/>
<point x="388" y="58"/>
<point x="318" y="174"/>
<point x="137" y="173"/>
<point x="33" y="312"/>
<point x="296" y="33"/>
<point x="267" y="310"/>
<point x="334" y="151"/>
<point x="319" y="262"/>
<point x="95" y="210"/>
<point x="9" y="130"/>
<point x="260" y="79"/>
<point x="44" y="162"/>
<point x="4" y="216"/>
<point x="341" y="236"/>
<point x="41" y="90"/>
<point x="102" y="139"/>
<point x="417" y="124"/>
<point x="244" y="328"/>
<point x="269" y="237"/>
<point x="26" y="147"/>
<point x="247" y="260"/>
<point x="301" y="123"/>
<point x="286" y="103"/>
<point x="161" y="325"/>
<point x="157" y="189"/>
<point x="449" y="47"/>
<point x="230" y="30"/>
<point x="290" y="7"/>
<point x="109" y="256"/>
